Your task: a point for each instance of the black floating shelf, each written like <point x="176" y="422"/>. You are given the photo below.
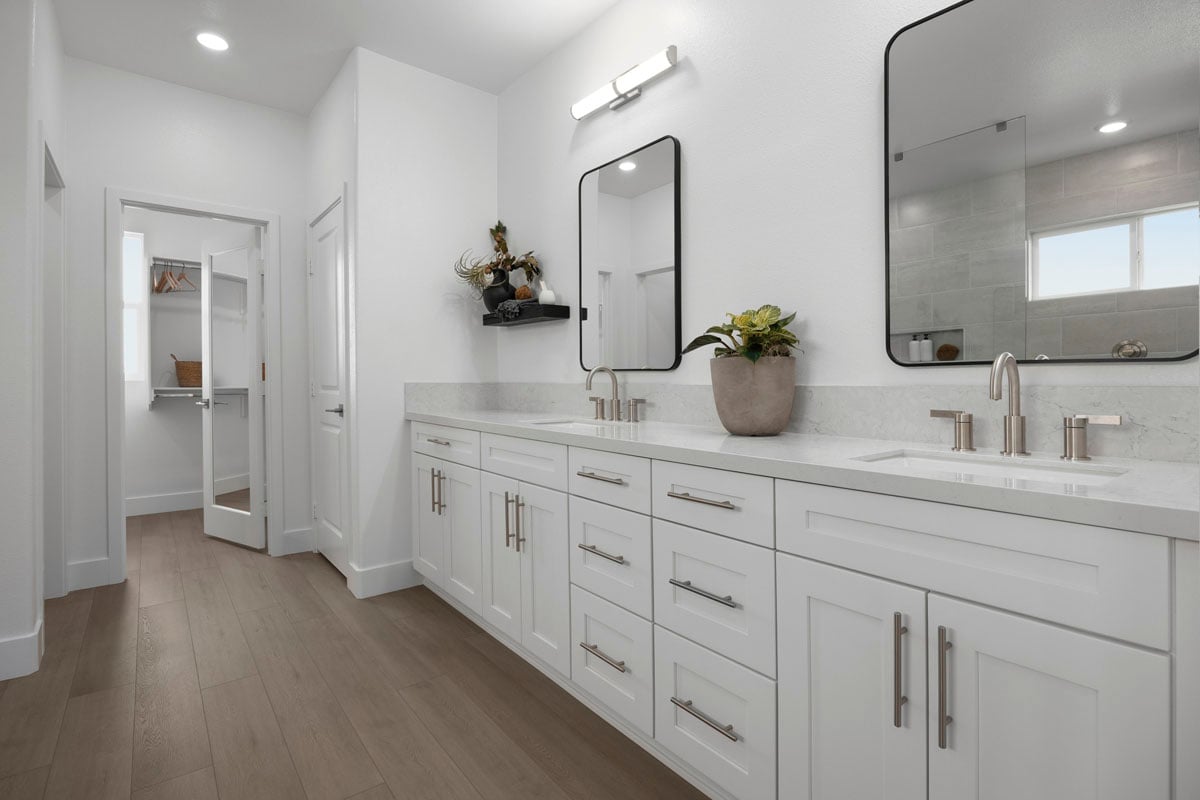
<point x="530" y="313"/>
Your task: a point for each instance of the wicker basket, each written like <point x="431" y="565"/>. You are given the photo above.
<point x="188" y="373"/>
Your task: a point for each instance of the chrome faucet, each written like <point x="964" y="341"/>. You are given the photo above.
<point x="1014" y="423"/>
<point x="614" y="406"/>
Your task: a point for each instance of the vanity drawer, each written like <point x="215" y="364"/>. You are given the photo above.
<point x="610" y="554"/>
<point x="1098" y="579"/>
<point x="716" y="591"/>
<point x="452" y="444"/>
<point x="613" y="478"/>
<point x="613" y="657"/>
<point x="716" y="715"/>
<point x="729" y="503"/>
<point x="541" y="463"/>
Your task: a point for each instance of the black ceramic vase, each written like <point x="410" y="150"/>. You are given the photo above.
<point x="499" y="290"/>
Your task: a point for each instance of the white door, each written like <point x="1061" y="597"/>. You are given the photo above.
<point x="428" y="544"/>
<point x="458" y="489"/>
<point x="1038" y="712"/>
<point x="543" y="539"/>
<point x="501" y="581"/>
<point x="232" y="396"/>
<point x="327" y="344"/>
<point x="851" y="715"/>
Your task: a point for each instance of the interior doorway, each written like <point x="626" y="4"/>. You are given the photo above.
<point x="193" y="321"/>
<point x="53" y="384"/>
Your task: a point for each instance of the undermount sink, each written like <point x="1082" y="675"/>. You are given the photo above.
<point x="593" y="426"/>
<point x="980" y="468"/>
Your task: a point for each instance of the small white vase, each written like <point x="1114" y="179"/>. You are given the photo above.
<point x="546" y="296"/>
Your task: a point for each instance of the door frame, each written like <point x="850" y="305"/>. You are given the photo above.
<point x="115" y="200"/>
<point x="53" y="575"/>
<point x="338" y="205"/>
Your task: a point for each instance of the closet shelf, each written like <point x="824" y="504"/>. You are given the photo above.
<point x="194" y="391"/>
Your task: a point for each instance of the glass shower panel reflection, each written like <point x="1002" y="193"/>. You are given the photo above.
<point x="230" y="359"/>
<point x="957" y="253"/>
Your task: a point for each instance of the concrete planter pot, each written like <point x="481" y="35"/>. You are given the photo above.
<point x="754" y="398"/>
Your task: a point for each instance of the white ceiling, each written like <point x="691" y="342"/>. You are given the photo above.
<point x="1065" y="66"/>
<point x="284" y="53"/>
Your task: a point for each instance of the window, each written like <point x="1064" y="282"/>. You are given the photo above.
<point x="134" y="293"/>
<point x="1155" y="250"/>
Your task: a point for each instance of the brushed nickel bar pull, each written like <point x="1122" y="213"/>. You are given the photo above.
<point x="607" y="659"/>
<point x="508" y="536"/>
<point x="944" y="719"/>
<point x="433" y="490"/>
<point x="517" y="516"/>
<point x="442" y="442"/>
<point x="898" y="699"/>
<point x="441" y="481"/>
<point x="725" y="730"/>
<point x="703" y="500"/>
<point x="727" y="600"/>
<point x="596" y="551"/>
<point x="587" y="474"/>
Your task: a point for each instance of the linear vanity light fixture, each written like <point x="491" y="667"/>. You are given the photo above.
<point x="626" y="86"/>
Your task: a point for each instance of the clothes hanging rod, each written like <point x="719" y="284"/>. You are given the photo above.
<point x="174" y="262"/>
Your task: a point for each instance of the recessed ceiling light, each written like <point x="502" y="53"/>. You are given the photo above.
<point x="212" y="41"/>
<point x="627" y="166"/>
<point x="1113" y="127"/>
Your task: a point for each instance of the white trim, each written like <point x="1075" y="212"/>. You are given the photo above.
<point x="90" y="573"/>
<point x="115" y="199"/>
<point x="54" y="570"/>
<point x="664" y="756"/>
<point x="366" y="582"/>
<point x="22" y="654"/>
<point x="181" y="501"/>
<point x="297" y="540"/>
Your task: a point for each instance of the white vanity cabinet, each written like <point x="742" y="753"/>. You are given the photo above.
<point x="852" y="699"/>
<point x="525" y="585"/>
<point x="1038" y="712"/>
<point x="447" y="548"/>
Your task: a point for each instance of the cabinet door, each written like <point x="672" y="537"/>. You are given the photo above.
<point x="501" y="582"/>
<point x="1042" y="713"/>
<point x="838" y="685"/>
<point x="463" y="560"/>
<point x="428" y="547"/>
<point x="545" y="581"/>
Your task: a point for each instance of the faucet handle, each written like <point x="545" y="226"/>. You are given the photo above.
<point x="948" y="413"/>
<point x="964" y="431"/>
<point x="1075" y="443"/>
<point x="633" y="403"/>
<point x="1098" y="419"/>
<point x="599" y="401"/>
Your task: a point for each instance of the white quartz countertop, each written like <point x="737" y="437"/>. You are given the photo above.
<point x="1155" y="497"/>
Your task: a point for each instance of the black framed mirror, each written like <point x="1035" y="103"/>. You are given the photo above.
<point x="629" y="254"/>
<point x="1043" y="182"/>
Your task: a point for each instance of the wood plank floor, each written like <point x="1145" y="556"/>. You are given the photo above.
<point x="218" y="672"/>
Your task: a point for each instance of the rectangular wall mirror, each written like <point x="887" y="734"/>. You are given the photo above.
<point x="1043" y="176"/>
<point x="629" y="260"/>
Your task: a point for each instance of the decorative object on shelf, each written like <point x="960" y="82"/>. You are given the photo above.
<point x="509" y="310"/>
<point x="753" y="371"/>
<point x="524" y="293"/>
<point x="546" y="295"/>
<point x="947" y="352"/>
<point x="188" y="373"/>
<point x="489" y="277"/>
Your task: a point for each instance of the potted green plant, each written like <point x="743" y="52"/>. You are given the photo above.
<point x="753" y="371"/>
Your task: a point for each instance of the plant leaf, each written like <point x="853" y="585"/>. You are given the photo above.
<point x="701" y="341"/>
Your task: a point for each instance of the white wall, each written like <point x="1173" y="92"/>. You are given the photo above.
<point x="779" y="110"/>
<point x="426" y="190"/>
<point x="129" y="131"/>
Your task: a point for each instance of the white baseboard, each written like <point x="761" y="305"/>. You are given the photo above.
<point x="366" y="582"/>
<point x="86" y="574"/>
<point x="669" y="759"/>
<point x="181" y="501"/>
<point x="299" y="540"/>
<point x="21" y="655"/>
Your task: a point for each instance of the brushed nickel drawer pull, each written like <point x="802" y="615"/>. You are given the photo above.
<point x="508" y="536"/>
<point x="596" y="551"/>
<point x="619" y="666"/>
<point x="898" y="699"/>
<point x="702" y="500"/>
<point x="944" y="719"/>
<point x="587" y="474"/>
<point x="442" y="442"/>
<point x="727" y="600"/>
<point x="725" y="730"/>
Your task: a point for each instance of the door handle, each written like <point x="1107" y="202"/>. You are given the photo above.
<point x="203" y="403"/>
<point x="944" y="719"/>
<point x="517" y="516"/>
<point x="898" y="699"/>
<point x="433" y="504"/>
<point x="508" y="536"/>
<point x="441" y="482"/>
<point x="340" y="410"/>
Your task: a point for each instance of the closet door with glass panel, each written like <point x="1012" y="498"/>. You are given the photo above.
<point x="232" y="401"/>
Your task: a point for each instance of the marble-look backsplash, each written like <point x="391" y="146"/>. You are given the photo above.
<point x="1160" y="422"/>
